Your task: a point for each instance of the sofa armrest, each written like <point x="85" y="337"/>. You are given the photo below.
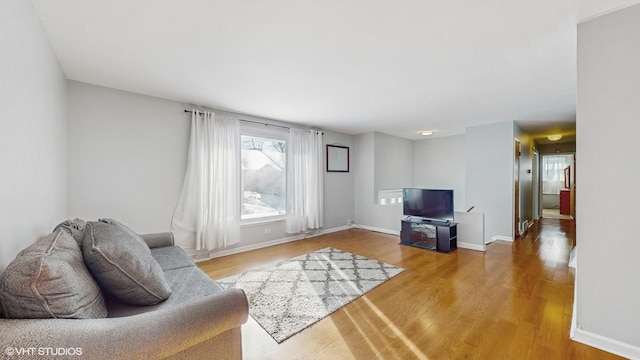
<point x="152" y="335"/>
<point x="158" y="239"/>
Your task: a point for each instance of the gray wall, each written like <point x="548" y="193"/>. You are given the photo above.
<point x="489" y="158"/>
<point x="393" y="163"/>
<point x="608" y="109"/>
<point x="478" y="165"/>
<point x="339" y="186"/>
<point x="375" y="150"/>
<point x="562" y="148"/>
<point x="439" y="163"/>
<point x="33" y="113"/>
<point x="127" y="158"/>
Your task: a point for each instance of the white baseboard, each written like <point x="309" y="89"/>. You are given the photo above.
<point x="241" y="249"/>
<point x="380" y="230"/>
<point x="501" y="237"/>
<point x="335" y="229"/>
<point x="203" y="255"/>
<point x="199" y="256"/>
<point x="598" y="341"/>
<point x="461" y="245"/>
<point x="573" y="258"/>
<point x="464" y="245"/>
<point x="604" y="343"/>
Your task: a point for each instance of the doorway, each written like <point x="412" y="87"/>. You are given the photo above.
<point x="557" y="179"/>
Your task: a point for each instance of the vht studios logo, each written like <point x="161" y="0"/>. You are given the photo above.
<point x="42" y="351"/>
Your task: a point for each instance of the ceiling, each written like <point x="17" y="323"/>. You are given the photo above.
<point x="356" y="66"/>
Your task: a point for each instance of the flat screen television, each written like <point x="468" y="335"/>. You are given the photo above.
<point x="428" y="203"/>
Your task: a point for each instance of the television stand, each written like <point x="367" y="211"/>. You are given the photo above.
<point x="434" y="235"/>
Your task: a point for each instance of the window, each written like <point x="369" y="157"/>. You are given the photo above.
<point x="263" y="174"/>
<point x="553" y="172"/>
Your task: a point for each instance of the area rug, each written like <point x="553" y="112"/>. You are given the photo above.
<point x="296" y="293"/>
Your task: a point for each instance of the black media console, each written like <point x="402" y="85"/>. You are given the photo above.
<point x="435" y="235"/>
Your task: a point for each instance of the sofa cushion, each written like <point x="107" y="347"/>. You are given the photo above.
<point x="122" y="264"/>
<point x="74" y="227"/>
<point x="49" y="280"/>
<point x="171" y="257"/>
<point x="187" y="284"/>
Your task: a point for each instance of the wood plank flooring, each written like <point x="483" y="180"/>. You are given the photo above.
<point x="514" y="301"/>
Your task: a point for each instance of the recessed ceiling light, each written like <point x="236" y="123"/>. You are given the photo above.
<point x="554" y="137"/>
<point x="426" y="132"/>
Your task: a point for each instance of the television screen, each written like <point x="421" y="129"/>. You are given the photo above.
<point x="427" y="203"/>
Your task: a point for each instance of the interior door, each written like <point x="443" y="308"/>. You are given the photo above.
<point x="572" y="188"/>
<point x="536" y="185"/>
<point x="516" y="187"/>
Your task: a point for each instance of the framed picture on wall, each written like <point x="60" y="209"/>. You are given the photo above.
<point x="337" y="158"/>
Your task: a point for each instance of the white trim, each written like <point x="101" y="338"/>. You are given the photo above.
<point x="604" y="343"/>
<point x="464" y="245"/>
<point x="335" y="229"/>
<point x="241" y="249"/>
<point x="573" y="258"/>
<point x="203" y="255"/>
<point x="197" y="255"/>
<point x="598" y="341"/>
<point x="380" y="230"/>
<point x="461" y="245"/>
<point x="262" y="220"/>
<point x="501" y="237"/>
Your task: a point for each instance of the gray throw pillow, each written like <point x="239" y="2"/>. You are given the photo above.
<point x="122" y="264"/>
<point x="50" y="280"/>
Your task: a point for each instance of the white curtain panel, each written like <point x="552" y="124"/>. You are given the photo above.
<point x="304" y="181"/>
<point x="553" y="172"/>
<point x="207" y="215"/>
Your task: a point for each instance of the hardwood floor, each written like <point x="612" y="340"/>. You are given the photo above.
<point x="512" y="302"/>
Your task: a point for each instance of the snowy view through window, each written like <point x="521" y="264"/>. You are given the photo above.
<point x="263" y="177"/>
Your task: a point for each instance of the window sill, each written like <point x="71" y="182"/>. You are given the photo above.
<point x="262" y="221"/>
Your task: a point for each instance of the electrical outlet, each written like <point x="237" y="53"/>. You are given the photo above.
<point x="349" y="222"/>
<point x="267" y="231"/>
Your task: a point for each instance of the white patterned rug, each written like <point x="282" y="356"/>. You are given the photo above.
<point x="296" y="293"/>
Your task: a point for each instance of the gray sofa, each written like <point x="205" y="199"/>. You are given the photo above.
<point x="199" y="320"/>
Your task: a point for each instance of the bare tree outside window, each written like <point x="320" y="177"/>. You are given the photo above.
<point x="263" y="177"/>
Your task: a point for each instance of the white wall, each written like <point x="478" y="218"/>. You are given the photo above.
<point x="127" y="156"/>
<point x="489" y="158"/>
<point x="439" y="163"/>
<point x="607" y="286"/>
<point x="33" y="113"/>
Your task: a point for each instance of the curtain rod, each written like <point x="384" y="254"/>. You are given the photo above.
<point x="250" y="121"/>
<point x="255" y="122"/>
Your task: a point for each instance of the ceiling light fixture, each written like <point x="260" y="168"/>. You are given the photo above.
<point x="554" y="137"/>
<point x="426" y="132"/>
